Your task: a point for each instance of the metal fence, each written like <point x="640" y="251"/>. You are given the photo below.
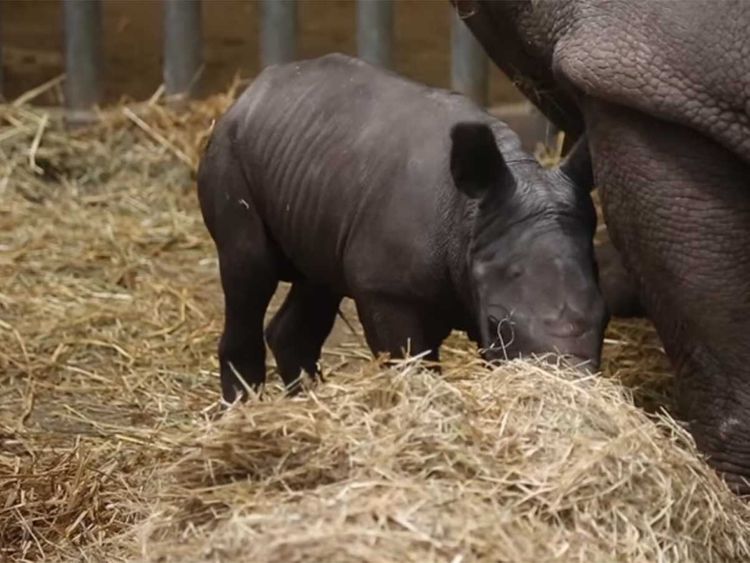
<point x="183" y="54"/>
<point x="182" y="48"/>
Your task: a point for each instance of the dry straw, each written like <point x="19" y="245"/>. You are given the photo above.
<point x="111" y="446"/>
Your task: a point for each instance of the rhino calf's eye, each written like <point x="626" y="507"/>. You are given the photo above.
<point x="514" y="272"/>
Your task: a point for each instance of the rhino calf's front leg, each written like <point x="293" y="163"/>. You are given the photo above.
<point x="400" y="329"/>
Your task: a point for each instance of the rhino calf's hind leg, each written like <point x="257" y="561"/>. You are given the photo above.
<point x="247" y="265"/>
<point x="299" y="328"/>
<point x="249" y="281"/>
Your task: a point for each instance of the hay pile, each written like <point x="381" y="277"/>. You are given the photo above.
<point x="111" y="447"/>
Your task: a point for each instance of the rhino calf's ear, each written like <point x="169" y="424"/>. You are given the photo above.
<point x="577" y="165"/>
<point x="476" y="163"/>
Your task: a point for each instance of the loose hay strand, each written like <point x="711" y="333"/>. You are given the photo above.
<point x="111" y="447"/>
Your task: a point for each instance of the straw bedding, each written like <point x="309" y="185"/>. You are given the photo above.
<point x="112" y="445"/>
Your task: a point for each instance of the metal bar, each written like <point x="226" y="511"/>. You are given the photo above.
<point x="278" y="31"/>
<point x="2" y="92"/>
<point x="375" y="31"/>
<point x="83" y="56"/>
<point x="469" y="63"/>
<point x="182" y="46"/>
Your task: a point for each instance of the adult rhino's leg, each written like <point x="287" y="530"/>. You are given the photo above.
<point x="299" y="328"/>
<point x="618" y="286"/>
<point x="678" y="208"/>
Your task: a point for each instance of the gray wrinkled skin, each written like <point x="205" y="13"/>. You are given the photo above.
<point x="347" y="180"/>
<point x="662" y="91"/>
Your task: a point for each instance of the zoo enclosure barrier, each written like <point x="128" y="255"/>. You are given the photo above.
<point x="182" y="53"/>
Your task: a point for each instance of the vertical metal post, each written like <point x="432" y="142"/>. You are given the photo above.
<point x="469" y="64"/>
<point x="83" y="56"/>
<point x="375" y="31"/>
<point x="182" y="46"/>
<point x="278" y="31"/>
<point x="2" y="92"/>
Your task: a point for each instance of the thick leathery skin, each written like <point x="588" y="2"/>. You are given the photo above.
<point x="681" y="220"/>
<point x="662" y="91"/>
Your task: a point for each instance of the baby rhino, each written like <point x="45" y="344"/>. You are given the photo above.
<point x="348" y="180"/>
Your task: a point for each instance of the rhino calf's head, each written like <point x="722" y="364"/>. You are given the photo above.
<point x="531" y="257"/>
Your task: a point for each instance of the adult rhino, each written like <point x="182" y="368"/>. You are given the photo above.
<point x="662" y="90"/>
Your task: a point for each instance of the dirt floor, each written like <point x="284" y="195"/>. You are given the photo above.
<point x="33" y="39"/>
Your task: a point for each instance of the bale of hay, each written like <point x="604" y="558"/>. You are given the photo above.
<point x="521" y="463"/>
<point x="111" y="447"/>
